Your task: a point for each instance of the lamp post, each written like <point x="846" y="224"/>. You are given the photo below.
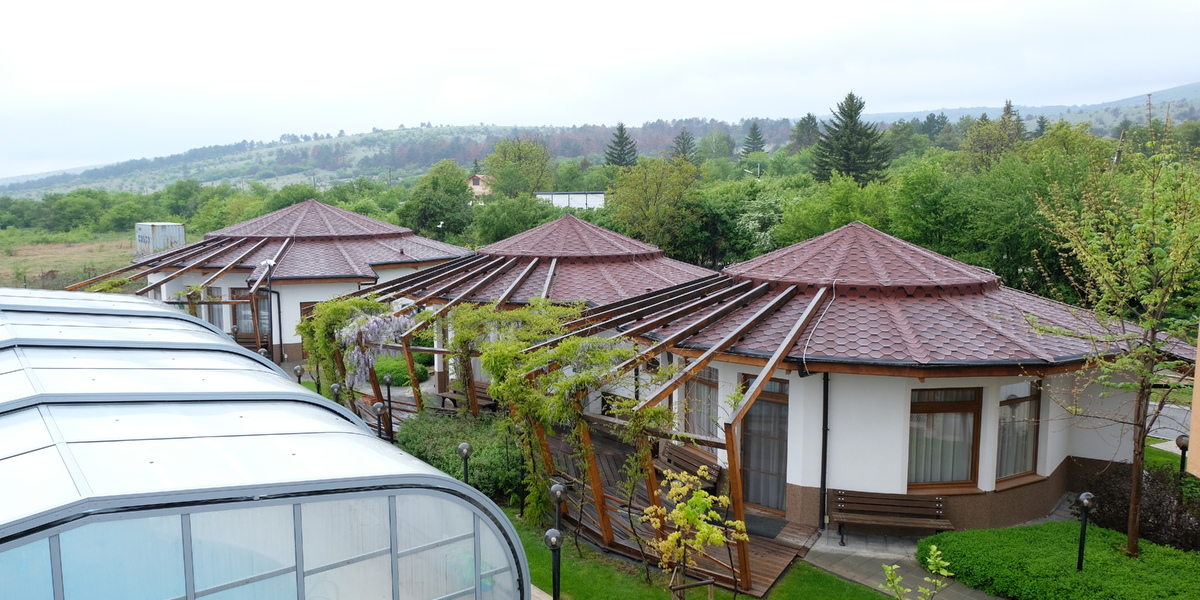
<point x="553" y="540"/>
<point x="558" y="494"/>
<point x="387" y="381"/>
<point x="299" y="371"/>
<point x="336" y="390"/>
<point x="464" y="451"/>
<point x="1182" y="443"/>
<point x="1085" y="504"/>
<point x="377" y="408"/>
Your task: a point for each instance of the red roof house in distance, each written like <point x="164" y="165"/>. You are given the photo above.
<point x="286" y="260"/>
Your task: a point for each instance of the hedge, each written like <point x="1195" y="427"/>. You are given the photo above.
<point x="1037" y="562"/>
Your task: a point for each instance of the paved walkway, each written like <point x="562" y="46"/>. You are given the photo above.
<point x="861" y="560"/>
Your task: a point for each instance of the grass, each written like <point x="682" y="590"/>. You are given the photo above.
<point x="1160" y="458"/>
<point x="592" y="575"/>
<point x="38" y="259"/>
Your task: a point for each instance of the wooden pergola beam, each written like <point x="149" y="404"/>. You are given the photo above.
<point x="425" y="300"/>
<point x="170" y="257"/>
<point x="602" y="312"/>
<point x="267" y="271"/>
<point x="415" y="280"/>
<point x="773" y="363"/>
<point x="692" y="369"/>
<point x="233" y="263"/>
<point x="189" y="268"/>
<point x="549" y="278"/>
<point x="512" y="289"/>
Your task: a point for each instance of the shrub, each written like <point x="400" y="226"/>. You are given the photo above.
<point x="1170" y="509"/>
<point x="423" y="358"/>
<point x="495" y="466"/>
<point x="399" y="370"/>
<point x="1037" y="562"/>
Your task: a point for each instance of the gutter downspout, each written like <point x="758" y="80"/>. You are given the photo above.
<point x="823" y="517"/>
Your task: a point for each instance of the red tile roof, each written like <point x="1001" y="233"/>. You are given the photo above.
<point x="326" y="242"/>
<point x="895" y="304"/>
<point x="593" y="265"/>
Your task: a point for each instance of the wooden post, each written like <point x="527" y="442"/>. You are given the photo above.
<point x="585" y="437"/>
<point x="468" y="375"/>
<point x="651" y="479"/>
<point x="412" y="374"/>
<point x="733" y="451"/>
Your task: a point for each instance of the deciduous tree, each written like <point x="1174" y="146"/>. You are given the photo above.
<point x="653" y="198"/>
<point x="518" y="167"/>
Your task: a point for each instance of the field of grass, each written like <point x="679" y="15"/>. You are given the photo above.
<point x="39" y="259"/>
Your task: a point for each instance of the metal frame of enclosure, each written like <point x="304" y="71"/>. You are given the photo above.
<point x="144" y="455"/>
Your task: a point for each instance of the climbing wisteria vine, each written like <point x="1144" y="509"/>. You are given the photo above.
<point x="374" y="330"/>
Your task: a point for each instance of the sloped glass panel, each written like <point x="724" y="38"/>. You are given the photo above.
<point x="232" y="545"/>
<point x="106" y="358"/>
<point x="22" y="431"/>
<point x="25" y="572"/>
<point x="101" y="560"/>
<point x="42" y="470"/>
<point x="14" y="386"/>
<point x="141" y="381"/>
<point x="107" y="422"/>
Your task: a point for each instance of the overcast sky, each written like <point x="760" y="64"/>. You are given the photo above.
<point x="86" y="83"/>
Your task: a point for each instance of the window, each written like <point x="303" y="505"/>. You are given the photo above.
<point x="700" y="414"/>
<point x="943" y="436"/>
<point x="216" y="312"/>
<point x="243" y="314"/>
<point x="1016" y="452"/>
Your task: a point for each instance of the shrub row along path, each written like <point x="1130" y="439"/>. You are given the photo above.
<point x="861" y="560"/>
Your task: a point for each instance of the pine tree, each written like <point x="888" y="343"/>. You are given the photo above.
<point x="850" y="146"/>
<point x="754" y="140"/>
<point x="684" y="146"/>
<point x="804" y="134"/>
<point x="1011" y="123"/>
<point x="622" y="152"/>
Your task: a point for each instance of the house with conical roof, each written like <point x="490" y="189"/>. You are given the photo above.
<point x="256" y="277"/>
<point x="875" y="365"/>
<point x="566" y="260"/>
<point x="864" y="363"/>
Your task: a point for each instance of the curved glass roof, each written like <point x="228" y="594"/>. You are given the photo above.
<point x="113" y="403"/>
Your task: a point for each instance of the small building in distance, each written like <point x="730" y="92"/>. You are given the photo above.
<point x="259" y="275"/>
<point x="149" y="457"/>
<point x="481" y="185"/>
<point x="573" y="199"/>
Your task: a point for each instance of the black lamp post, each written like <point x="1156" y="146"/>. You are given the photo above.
<point x="558" y="494"/>
<point x="387" y="381"/>
<point x="1182" y="443"/>
<point x="377" y="408"/>
<point x="336" y="390"/>
<point x="1085" y="504"/>
<point x="299" y="371"/>
<point x="233" y="331"/>
<point x="553" y="540"/>
<point x="464" y="451"/>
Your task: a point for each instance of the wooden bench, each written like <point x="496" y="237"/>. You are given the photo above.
<point x="898" y="510"/>
<point x="685" y="457"/>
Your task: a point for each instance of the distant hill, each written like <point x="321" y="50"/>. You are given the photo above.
<point x="1184" y="103"/>
<point x="393" y="155"/>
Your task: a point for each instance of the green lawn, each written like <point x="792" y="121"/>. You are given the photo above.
<point x="1160" y="458"/>
<point x="596" y="576"/>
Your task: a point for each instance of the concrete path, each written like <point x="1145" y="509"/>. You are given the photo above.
<point x="861" y="560"/>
